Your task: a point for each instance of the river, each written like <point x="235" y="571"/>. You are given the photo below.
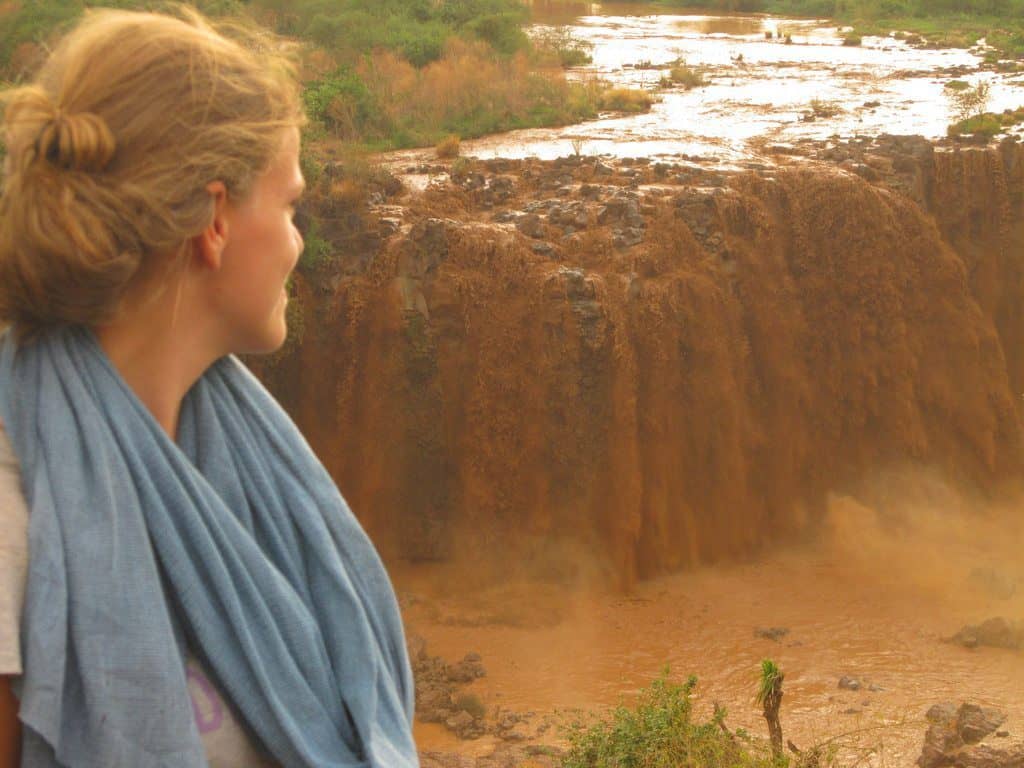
<point x="760" y="92"/>
<point x="874" y="599"/>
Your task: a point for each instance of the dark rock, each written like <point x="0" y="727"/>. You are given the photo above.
<point x="628" y="237"/>
<point x="433" y="704"/>
<point x="467" y="670"/>
<point x="974" y="723"/>
<point x="996" y="632"/>
<point x="462" y="724"/>
<point x="425" y="248"/>
<point x="771" y="633"/>
<point x="849" y="683"/>
<point x="983" y="756"/>
<point x="388" y="225"/>
<point x="954" y="735"/>
<point x="531" y="225"/>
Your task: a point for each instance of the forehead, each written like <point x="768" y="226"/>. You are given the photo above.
<point x="284" y="176"/>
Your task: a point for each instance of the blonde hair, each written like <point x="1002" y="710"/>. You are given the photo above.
<point x="110" y="150"/>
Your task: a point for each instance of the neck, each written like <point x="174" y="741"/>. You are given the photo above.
<point x="157" y="358"/>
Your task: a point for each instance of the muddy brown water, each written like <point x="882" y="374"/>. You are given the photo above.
<point x="873" y="599"/>
<point x="760" y="92"/>
<point x="877" y="592"/>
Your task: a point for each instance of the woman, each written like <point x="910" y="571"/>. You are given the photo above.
<point x="197" y="591"/>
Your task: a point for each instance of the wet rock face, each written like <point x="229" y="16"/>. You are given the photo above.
<point x="661" y="366"/>
<point x="955" y="734"/>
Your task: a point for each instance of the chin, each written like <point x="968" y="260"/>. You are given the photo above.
<point x="266" y="343"/>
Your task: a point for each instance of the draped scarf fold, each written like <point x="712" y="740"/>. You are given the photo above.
<point x="235" y="538"/>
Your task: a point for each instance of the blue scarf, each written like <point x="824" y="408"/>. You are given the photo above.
<point x="235" y="540"/>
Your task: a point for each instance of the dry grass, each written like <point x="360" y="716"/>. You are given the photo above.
<point x="626" y="100"/>
<point x="448" y="147"/>
<point x="470" y="92"/>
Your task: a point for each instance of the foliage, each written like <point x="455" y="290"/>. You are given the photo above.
<point x="416" y="30"/>
<point x="660" y="732"/>
<point x="987" y="124"/>
<point x="469" y="92"/>
<point x="557" y="45"/>
<point x="448" y="147"/>
<point x="317" y="250"/>
<point x="626" y="100"/>
<point x="965" y="100"/>
<point x="687" y="77"/>
<point x="771" y="676"/>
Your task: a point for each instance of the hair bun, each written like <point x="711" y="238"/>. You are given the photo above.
<point x="76" y="142"/>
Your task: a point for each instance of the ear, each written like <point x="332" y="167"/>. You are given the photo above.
<point x="208" y="245"/>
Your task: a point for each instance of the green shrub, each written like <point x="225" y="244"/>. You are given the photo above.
<point x="660" y="732"/>
<point x="980" y="125"/>
<point x="557" y="44"/>
<point x="317" y="251"/>
<point x="343" y="104"/>
<point x="688" y="77"/>
<point x="967" y="101"/>
<point x="503" y="31"/>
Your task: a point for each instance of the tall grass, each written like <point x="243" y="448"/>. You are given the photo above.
<point x="470" y="91"/>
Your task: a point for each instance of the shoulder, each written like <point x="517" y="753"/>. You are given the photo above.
<point x="8" y="461"/>
<point x="13" y="511"/>
<point x="13" y="557"/>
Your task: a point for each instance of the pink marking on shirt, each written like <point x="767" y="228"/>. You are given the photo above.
<point x="211" y="720"/>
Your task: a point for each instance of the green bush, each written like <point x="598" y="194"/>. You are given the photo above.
<point x="987" y="124"/>
<point x="660" y="732"/>
<point x="343" y="104"/>
<point x="688" y="77"/>
<point x="316" y="252"/>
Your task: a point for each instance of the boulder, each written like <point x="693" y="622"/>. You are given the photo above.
<point x="955" y="734"/>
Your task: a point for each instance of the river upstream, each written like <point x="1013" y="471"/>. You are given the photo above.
<point x="876" y="594"/>
<point x="760" y="92"/>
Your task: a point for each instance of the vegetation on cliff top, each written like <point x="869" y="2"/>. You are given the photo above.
<point x="379" y="73"/>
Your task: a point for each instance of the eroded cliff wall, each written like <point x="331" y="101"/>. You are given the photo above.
<point x="668" y="370"/>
